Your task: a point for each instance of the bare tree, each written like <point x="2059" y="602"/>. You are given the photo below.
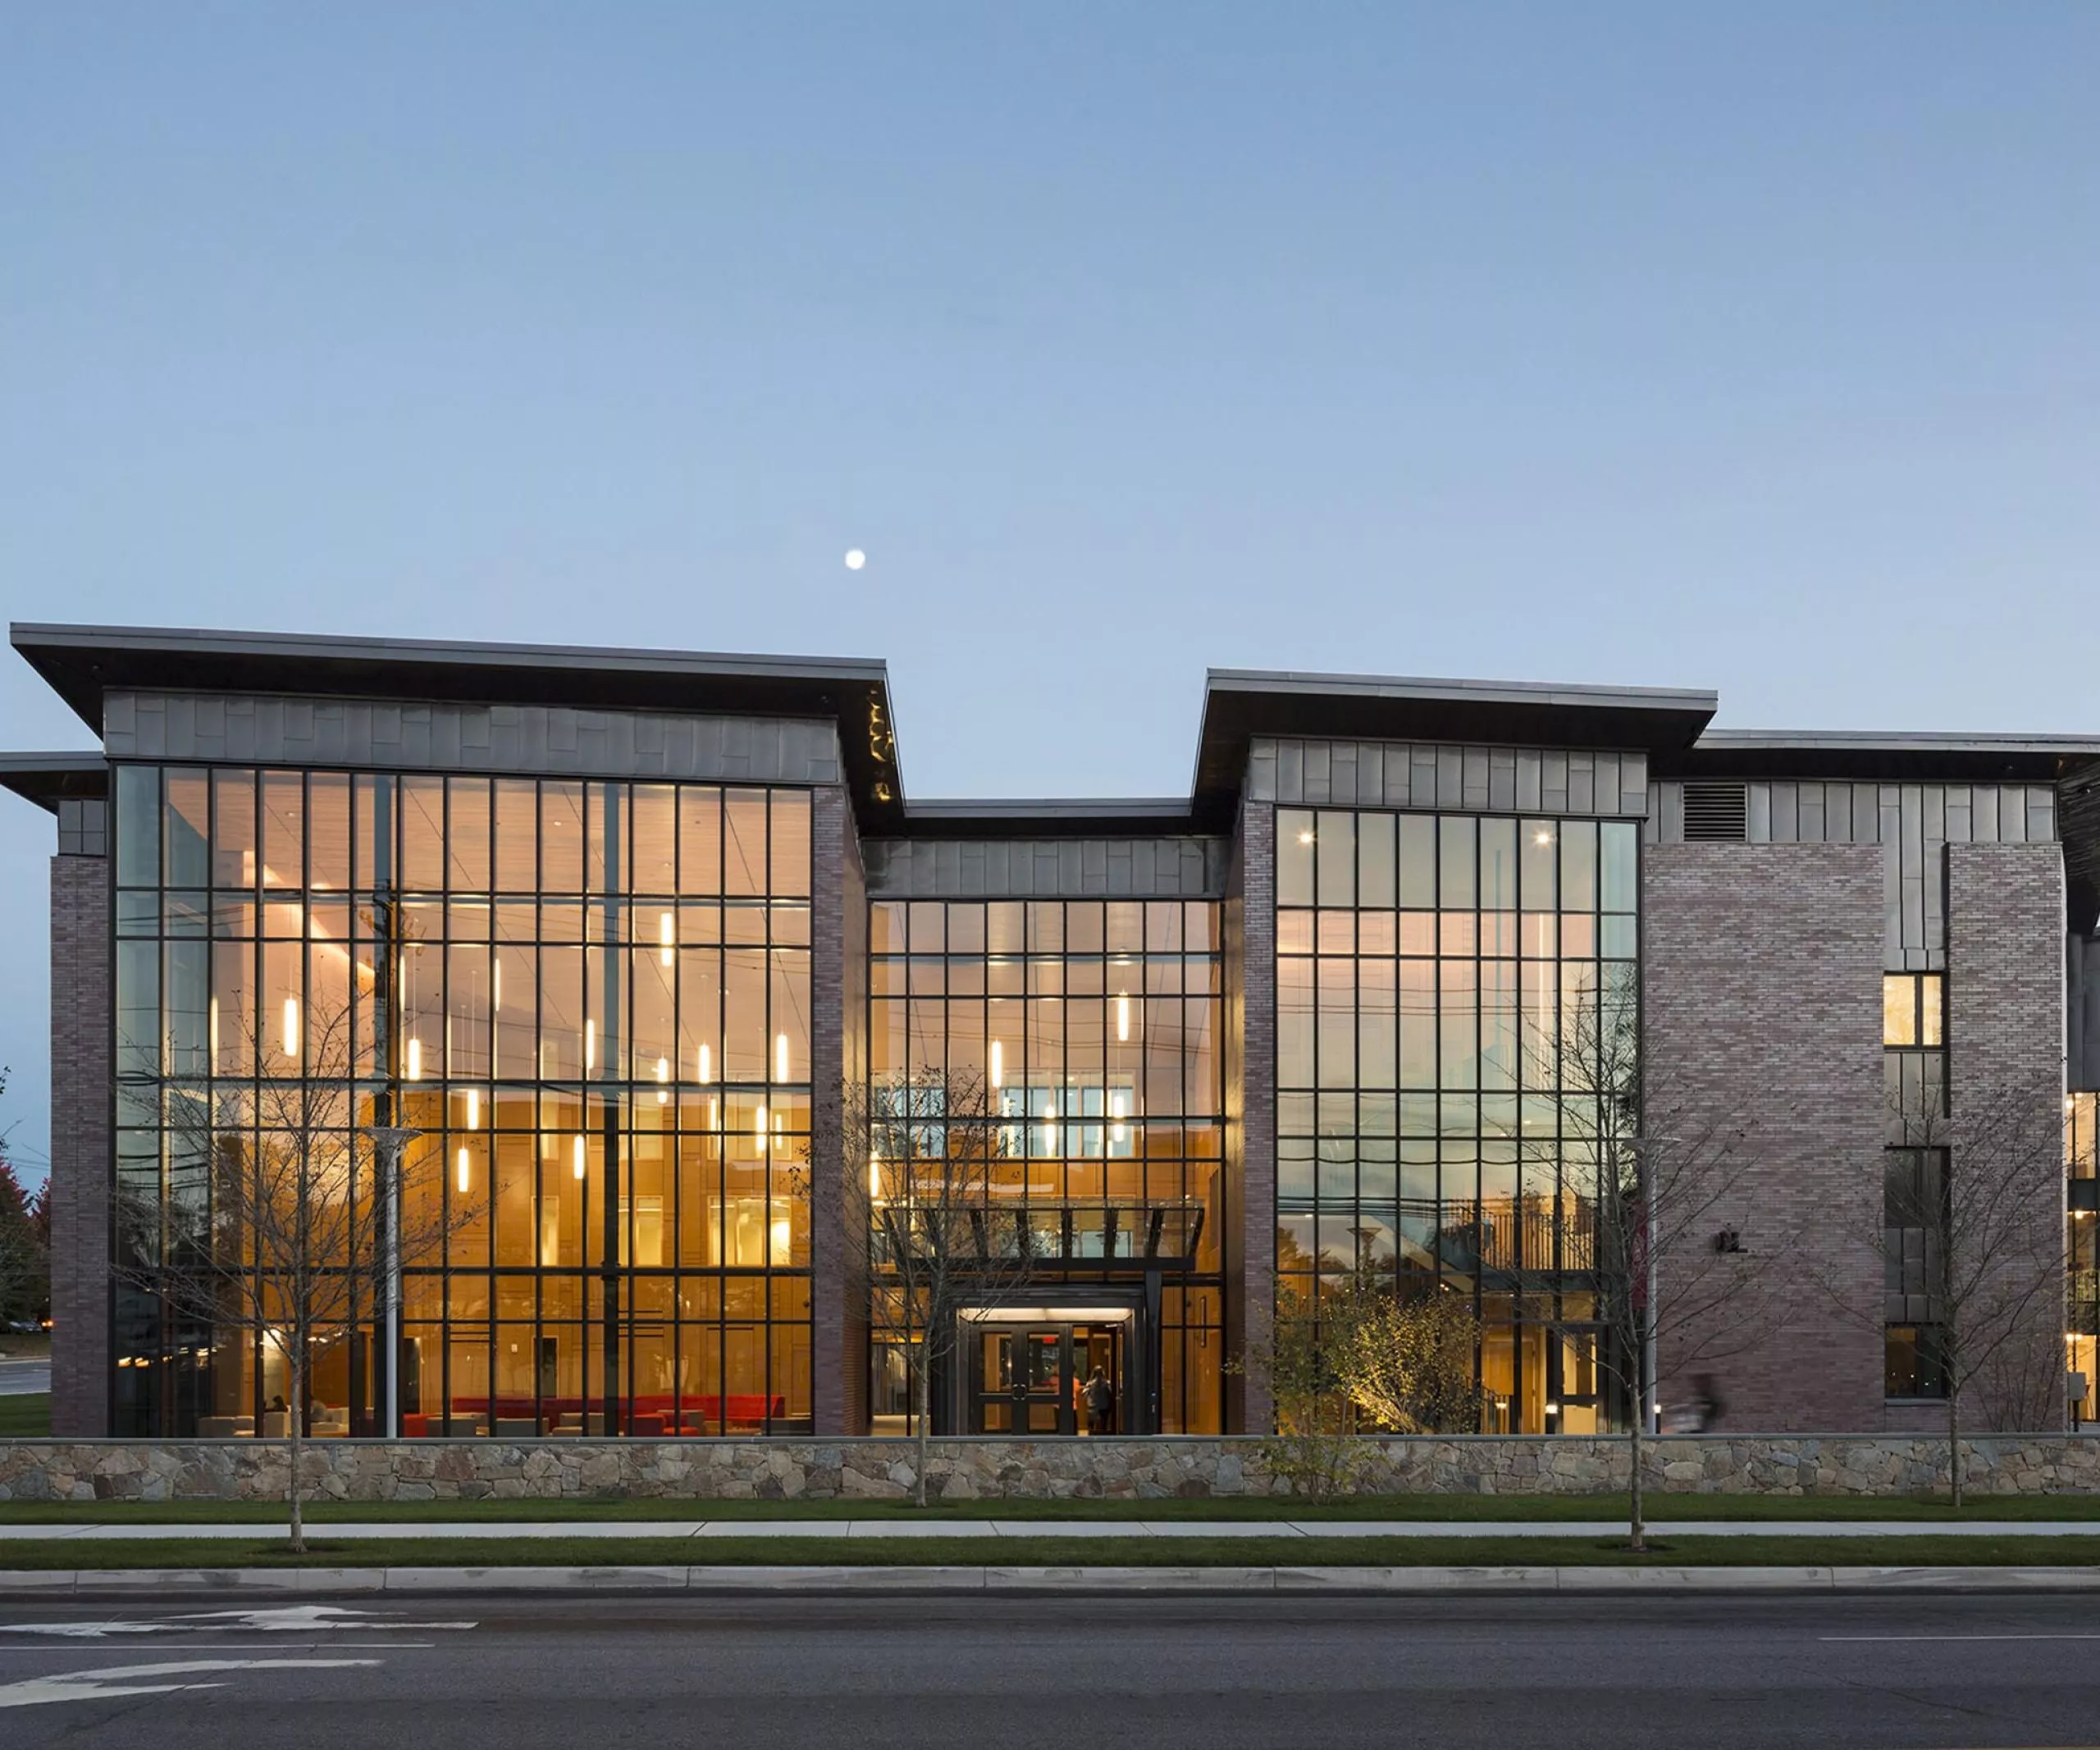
<point x="1973" y="1249"/>
<point x="948" y="1233"/>
<point x="282" y="1226"/>
<point x="1654" y="1200"/>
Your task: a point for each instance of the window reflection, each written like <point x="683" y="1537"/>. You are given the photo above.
<point x="1431" y="971"/>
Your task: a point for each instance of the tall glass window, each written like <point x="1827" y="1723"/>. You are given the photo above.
<point x="1435" y="974"/>
<point x="1095" y="1027"/>
<point x="592" y="999"/>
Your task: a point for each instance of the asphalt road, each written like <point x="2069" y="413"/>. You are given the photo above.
<point x="929" y="1673"/>
<point x="19" y="1378"/>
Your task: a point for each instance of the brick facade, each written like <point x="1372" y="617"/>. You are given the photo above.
<point x="2005" y="1032"/>
<point x="1250" y="1110"/>
<point x="82" y="1164"/>
<point x="1761" y="990"/>
<point x="837" y="1363"/>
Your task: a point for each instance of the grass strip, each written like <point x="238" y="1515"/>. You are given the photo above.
<point x="1894" y="1550"/>
<point x="1474" y="1509"/>
<point x="26" y="1416"/>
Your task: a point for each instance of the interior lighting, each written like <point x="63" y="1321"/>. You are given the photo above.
<point x="758" y="1130"/>
<point x="590" y="1044"/>
<point x="1123" y="1016"/>
<point x="415" y="1058"/>
<point x="998" y="1065"/>
<point x="1117" y="1109"/>
<point x="706" y="1075"/>
<point x="464" y="1176"/>
<point x="495" y="987"/>
<point x="663" y="1075"/>
<point x="780" y="1057"/>
<point x="291" y="1031"/>
<point x="1305" y="838"/>
<point x="875" y="1172"/>
<point x="579" y="1154"/>
<point x="666" y="937"/>
<point x="473" y="1108"/>
<point x="1542" y="837"/>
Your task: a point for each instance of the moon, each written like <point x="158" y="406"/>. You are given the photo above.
<point x="855" y="559"/>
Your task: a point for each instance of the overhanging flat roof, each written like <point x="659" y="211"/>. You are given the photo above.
<point x="1867" y="754"/>
<point x="82" y="662"/>
<point x="1061" y="817"/>
<point x="1240" y="704"/>
<point x="49" y="778"/>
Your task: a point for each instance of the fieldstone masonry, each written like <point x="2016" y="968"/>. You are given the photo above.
<point x="819" y="1469"/>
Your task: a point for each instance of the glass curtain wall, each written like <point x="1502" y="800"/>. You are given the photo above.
<point x="593" y="1001"/>
<point x="1435" y="974"/>
<point x="1095" y="1026"/>
<point x="2082" y="1172"/>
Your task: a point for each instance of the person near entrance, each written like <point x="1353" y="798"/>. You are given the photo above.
<point x="1100" y="1404"/>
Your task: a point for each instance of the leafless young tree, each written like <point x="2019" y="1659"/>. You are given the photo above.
<point x="1659" y="1212"/>
<point x="281" y="1228"/>
<point x="948" y="1233"/>
<point x="1972" y="1244"/>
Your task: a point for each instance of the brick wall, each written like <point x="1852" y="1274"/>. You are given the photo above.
<point x="1250" y="1110"/>
<point x="2005" y="1033"/>
<point x="835" y="1360"/>
<point x="1761" y="992"/>
<point x="82" y="1164"/>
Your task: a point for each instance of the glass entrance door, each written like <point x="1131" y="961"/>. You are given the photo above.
<point x="1025" y="1379"/>
<point x="1033" y="1378"/>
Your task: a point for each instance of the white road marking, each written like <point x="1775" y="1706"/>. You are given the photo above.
<point x="121" y="1681"/>
<point x="293" y="1619"/>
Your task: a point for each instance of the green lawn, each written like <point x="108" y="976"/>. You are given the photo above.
<point x="1662" y="1509"/>
<point x="1894" y="1551"/>
<point x="26" y="1417"/>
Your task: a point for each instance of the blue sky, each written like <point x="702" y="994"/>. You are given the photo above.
<point x="1748" y="348"/>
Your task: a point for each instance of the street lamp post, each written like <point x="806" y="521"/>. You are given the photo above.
<point x="390" y="1140"/>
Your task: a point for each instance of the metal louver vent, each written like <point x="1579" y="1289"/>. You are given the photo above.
<point x="1716" y="811"/>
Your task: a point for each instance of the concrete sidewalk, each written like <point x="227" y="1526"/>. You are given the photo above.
<point x="324" y="1581"/>
<point x="788" y="1530"/>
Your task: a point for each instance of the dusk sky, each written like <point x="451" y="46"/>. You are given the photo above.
<point x="1635" y="343"/>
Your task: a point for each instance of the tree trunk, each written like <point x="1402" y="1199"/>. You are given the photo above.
<point x="1954" y="1443"/>
<point x="925" y="1383"/>
<point x="1636" y="1426"/>
<point x="295" y="1421"/>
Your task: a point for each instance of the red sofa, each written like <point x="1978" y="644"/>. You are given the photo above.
<point x="649" y="1413"/>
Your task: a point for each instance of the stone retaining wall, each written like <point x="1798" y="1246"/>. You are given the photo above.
<point x="975" y="1470"/>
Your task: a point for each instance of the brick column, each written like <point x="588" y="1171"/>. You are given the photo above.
<point x="838" y="1057"/>
<point x="83" y="1166"/>
<point x="1761" y="1014"/>
<point x="1250" y="1110"/>
<point x="2005" y="1035"/>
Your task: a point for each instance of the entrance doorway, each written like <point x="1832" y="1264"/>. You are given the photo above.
<point x="1030" y="1378"/>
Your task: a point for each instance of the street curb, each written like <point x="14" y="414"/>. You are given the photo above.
<point x="321" y="1581"/>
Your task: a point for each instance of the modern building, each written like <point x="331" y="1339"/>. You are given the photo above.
<point x="628" y="939"/>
